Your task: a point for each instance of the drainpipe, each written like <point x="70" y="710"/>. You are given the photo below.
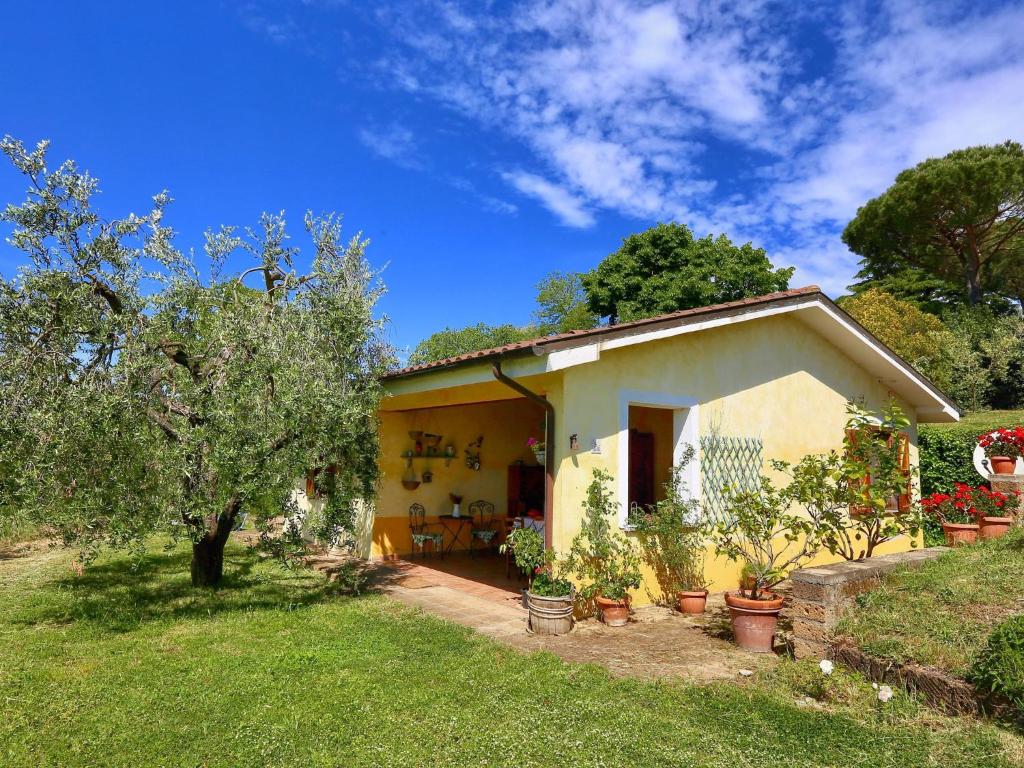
<point x="549" y="443"/>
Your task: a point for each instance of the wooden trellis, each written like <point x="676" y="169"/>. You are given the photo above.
<point x="735" y="462"/>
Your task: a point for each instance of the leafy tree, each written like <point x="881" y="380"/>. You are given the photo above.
<point x="957" y="218"/>
<point x="562" y="304"/>
<point x="918" y="337"/>
<point x="137" y="397"/>
<point x="665" y="269"/>
<point x="986" y="358"/>
<point x="459" y="341"/>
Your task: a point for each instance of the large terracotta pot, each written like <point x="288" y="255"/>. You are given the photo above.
<point x="692" y="603"/>
<point x="614" y="613"/>
<point x="1002" y="465"/>
<point x="994" y="527"/>
<point x="754" y="621"/>
<point x="958" y="534"/>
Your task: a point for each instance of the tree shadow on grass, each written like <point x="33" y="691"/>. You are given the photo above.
<point x="122" y="594"/>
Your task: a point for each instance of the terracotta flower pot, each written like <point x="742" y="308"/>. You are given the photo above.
<point x="994" y="527"/>
<point x="1002" y="465"/>
<point x="958" y="534"/>
<point x="754" y="621"/>
<point x="692" y="603"/>
<point x="614" y="613"/>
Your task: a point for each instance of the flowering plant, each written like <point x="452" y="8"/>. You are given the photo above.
<point x="534" y="444"/>
<point x="1005" y="441"/>
<point x="965" y="504"/>
<point x="455" y="498"/>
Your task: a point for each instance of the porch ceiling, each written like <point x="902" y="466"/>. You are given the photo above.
<point x="462" y="391"/>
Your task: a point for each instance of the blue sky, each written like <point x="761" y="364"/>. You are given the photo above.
<point x="481" y="145"/>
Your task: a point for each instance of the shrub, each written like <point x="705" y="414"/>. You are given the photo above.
<point x="670" y="538"/>
<point x="999" y="668"/>
<point x="606" y="562"/>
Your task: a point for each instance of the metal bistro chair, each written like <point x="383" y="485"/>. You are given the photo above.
<point x="483" y="530"/>
<point x="422" y="533"/>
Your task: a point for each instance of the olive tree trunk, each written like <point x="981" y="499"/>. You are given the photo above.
<point x="208" y="552"/>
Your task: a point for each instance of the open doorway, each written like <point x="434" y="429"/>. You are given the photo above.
<point x="655" y="431"/>
<point x="651" y="447"/>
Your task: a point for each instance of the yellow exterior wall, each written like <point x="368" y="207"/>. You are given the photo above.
<point x="505" y="426"/>
<point x="771" y="378"/>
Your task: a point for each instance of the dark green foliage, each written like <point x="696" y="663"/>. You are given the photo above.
<point x="999" y="668"/>
<point x="958" y="218"/>
<point x="665" y="269"/>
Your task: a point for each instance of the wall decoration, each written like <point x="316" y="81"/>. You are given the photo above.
<point x="473" y="453"/>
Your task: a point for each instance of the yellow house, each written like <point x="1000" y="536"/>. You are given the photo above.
<point x="742" y="383"/>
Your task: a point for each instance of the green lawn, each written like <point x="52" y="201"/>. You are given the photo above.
<point x="134" y="668"/>
<point x="986" y="420"/>
<point x="942" y="613"/>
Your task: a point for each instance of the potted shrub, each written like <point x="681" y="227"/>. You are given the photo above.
<point x="607" y="563"/>
<point x="760" y="531"/>
<point x="1003" y="447"/>
<point x="956" y="514"/>
<point x="672" y="543"/>
<point x="549" y="596"/>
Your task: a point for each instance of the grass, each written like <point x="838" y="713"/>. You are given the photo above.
<point x="984" y="420"/>
<point x="941" y="613"/>
<point x="123" y="667"/>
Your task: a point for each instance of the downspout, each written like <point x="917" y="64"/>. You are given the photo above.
<point x="549" y="443"/>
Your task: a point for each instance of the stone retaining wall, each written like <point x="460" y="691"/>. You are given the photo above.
<point x="820" y="595"/>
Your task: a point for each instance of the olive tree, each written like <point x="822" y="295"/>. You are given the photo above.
<point x="142" y="391"/>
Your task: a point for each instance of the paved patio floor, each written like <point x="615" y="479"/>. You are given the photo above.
<point x="657" y="643"/>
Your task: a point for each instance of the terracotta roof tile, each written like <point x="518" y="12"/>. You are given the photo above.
<point x="603" y="330"/>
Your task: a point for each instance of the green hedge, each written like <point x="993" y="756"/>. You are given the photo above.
<point x="947" y="450"/>
<point x="999" y="669"/>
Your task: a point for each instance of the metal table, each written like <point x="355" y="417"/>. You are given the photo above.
<point x="454" y="526"/>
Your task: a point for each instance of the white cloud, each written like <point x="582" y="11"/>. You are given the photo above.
<point x="568" y="208"/>
<point x="721" y="115"/>
<point x="392" y="142"/>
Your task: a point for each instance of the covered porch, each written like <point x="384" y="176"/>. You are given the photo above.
<point x="464" y="443"/>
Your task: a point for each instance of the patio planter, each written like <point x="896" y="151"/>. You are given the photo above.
<point x="1003" y="465"/>
<point x="614" y="613"/>
<point x="958" y="534"/>
<point x="550" y="615"/>
<point x="692" y="603"/>
<point x="994" y="527"/>
<point x="754" y="621"/>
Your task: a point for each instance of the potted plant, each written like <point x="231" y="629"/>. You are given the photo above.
<point x="607" y="563"/>
<point x="956" y="513"/>
<point x="672" y="543"/>
<point x="760" y="531"/>
<point x="549" y="596"/>
<point x="989" y="507"/>
<point x="539" y="450"/>
<point x="1002" y="448"/>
